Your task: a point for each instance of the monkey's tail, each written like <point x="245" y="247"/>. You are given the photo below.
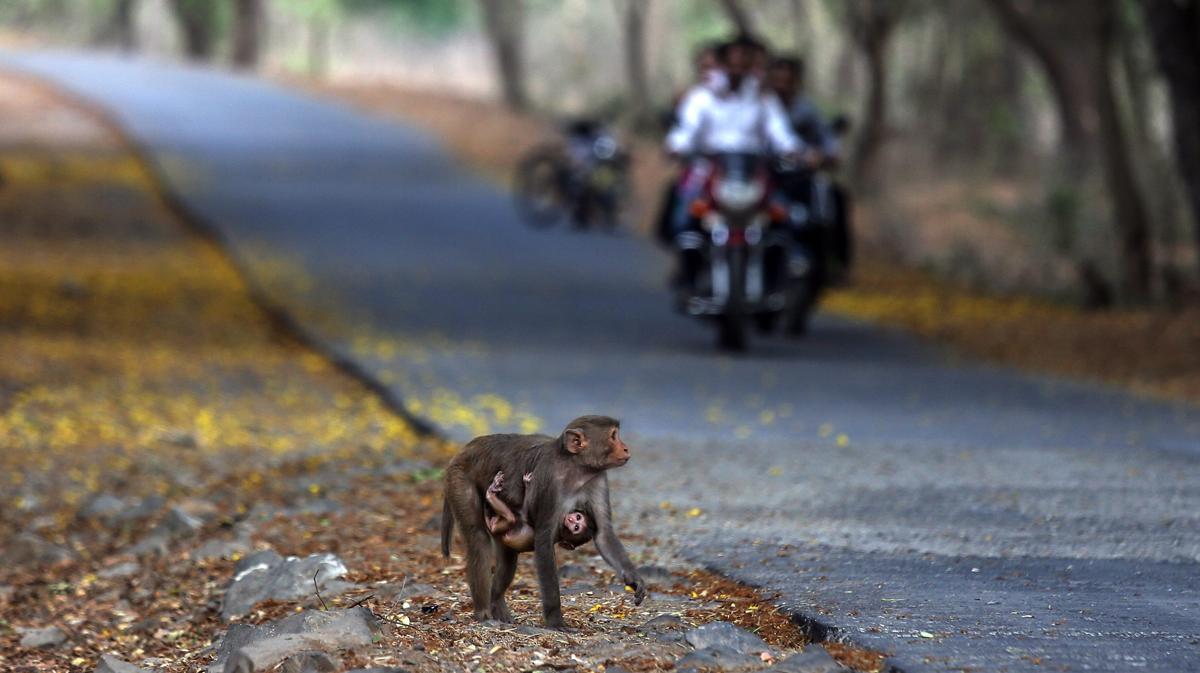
<point x="447" y="526"/>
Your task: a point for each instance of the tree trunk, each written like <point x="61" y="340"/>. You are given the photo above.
<point x="198" y="23"/>
<point x="1077" y="124"/>
<point x="120" y="29"/>
<point x="1133" y="225"/>
<point x="318" y="47"/>
<point x="635" y="63"/>
<point x="871" y="24"/>
<point x="737" y="15"/>
<point x="870" y="141"/>
<point x="1174" y="27"/>
<point x="247" y="33"/>
<point x="1073" y="40"/>
<point x="502" y="20"/>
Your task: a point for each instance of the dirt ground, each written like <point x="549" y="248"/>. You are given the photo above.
<point x="156" y="429"/>
<point x="1152" y="351"/>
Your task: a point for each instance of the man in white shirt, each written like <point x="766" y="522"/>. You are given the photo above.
<point x="731" y="115"/>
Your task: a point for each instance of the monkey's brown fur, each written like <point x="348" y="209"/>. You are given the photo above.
<point x="569" y="474"/>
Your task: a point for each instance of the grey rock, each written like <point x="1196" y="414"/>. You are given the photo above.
<point x="657" y="575"/>
<point x="664" y="622"/>
<point x="572" y="571"/>
<point x="30" y="548"/>
<point x="148" y="507"/>
<point x="181" y="438"/>
<point x="666" y="628"/>
<point x="7" y="592"/>
<point x="264" y="512"/>
<point x="104" y="507"/>
<point x="246" y="648"/>
<point x="266" y="575"/>
<point x="42" y="523"/>
<point x="156" y="543"/>
<point x="393" y="669"/>
<point x="310" y="662"/>
<point x="147" y="625"/>
<point x="814" y="659"/>
<point x="579" y="588"/>
<point x="214" y="549"/>
<point x="234" y="639"/>
<point x="725" y="636"/>
<point x="125" y="569"/>
<point x="110" y="664"/>
<point x="178" y="523"/>
<point x="718" y="659"/>
<point x="45" y="637"/>
<point x="28" y="500"/>
<point x="202" y="509"/>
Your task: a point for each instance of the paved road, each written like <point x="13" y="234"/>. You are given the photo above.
<point x="885" y="490"/>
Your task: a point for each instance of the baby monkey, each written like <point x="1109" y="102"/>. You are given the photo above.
<point x="514" y="530"/>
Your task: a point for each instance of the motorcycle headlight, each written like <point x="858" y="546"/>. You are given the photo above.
<point x="737" y="194"/>
<point x="604" y="147"/>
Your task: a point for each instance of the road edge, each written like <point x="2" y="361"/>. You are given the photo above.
<point x="286" y="324"/>
<point x="281" y="320"/>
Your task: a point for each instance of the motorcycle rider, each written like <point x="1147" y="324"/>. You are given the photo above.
<point x="786" y="78"/>
<point x="736" y="117"/>
<point x="707" y="73"/>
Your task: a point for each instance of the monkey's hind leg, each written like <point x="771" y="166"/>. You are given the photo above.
<point x="506" y="568"/>
<point x="468" y="512"/>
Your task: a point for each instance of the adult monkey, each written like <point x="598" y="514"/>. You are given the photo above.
<point x="569" y="474"/>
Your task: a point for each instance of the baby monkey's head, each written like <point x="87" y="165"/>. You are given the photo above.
<point x="575" y="523"/>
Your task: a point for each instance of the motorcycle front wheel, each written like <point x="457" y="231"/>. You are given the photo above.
<point x="732" y="327"/>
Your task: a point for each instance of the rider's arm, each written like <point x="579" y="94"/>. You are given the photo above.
<point x="682" y="139"/>
<point x="778" y="129"/>
<point x="825" y="139"/>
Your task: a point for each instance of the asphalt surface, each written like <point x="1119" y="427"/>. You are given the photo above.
<point x="958" y="516"/>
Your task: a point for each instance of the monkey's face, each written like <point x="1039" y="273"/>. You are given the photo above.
<point x="599" y="447"/>
<point x="618" y="452"/>
<point x="575" y="523"/>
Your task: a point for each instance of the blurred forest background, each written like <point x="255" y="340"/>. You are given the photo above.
<point x="1047" y="147"/>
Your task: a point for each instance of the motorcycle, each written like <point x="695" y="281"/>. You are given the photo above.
<point x="585" y="177"/>
<point x="814" y="261"/>
<point x="753" y="255"/>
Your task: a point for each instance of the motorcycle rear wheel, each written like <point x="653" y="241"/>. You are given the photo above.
<point x="538" y="188"/>
<point x="801" y="309"/>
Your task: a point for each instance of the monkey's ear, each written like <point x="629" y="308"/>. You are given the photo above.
<point x="574" y="440"/>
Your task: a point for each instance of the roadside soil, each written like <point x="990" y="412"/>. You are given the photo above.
<point x="155" y="429"/>
<point x="1150" y="351"/>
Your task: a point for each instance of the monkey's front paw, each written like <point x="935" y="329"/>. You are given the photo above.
<point x="639" y="588"/>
